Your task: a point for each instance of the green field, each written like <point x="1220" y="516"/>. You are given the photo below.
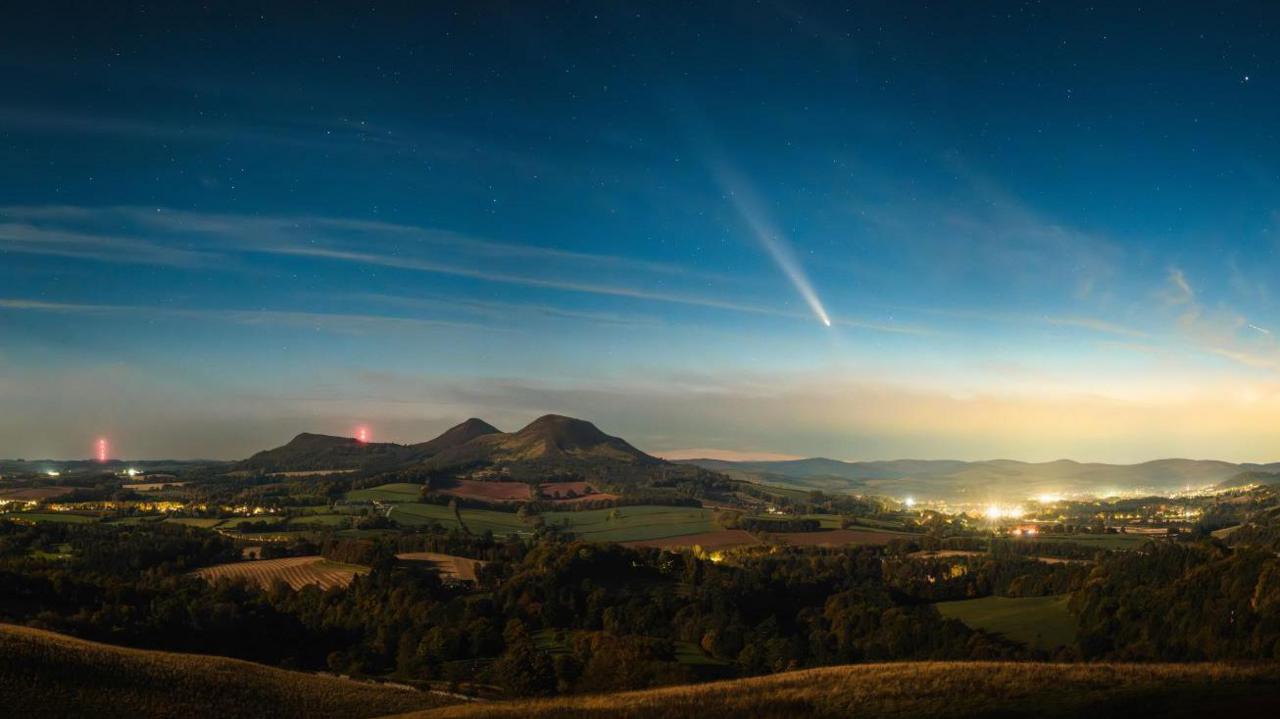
<point x="628" y="524"/>
<point x="1100" y="541"/>
<point x="884" y="524"/>
<point x="237" y="521"/>
<point x="414" y="514"/>
<point x="202" y="522"/>
<point x="64" y="517"/>
<point x="1225" y="531"/>
<point x="1041" y="622"/>
<point x="137" y="520"/>
<point x="321" y="520"/>
<point x="825" y="521"/>
<point x="387" y="493"/>
<point x="62" y="551"/>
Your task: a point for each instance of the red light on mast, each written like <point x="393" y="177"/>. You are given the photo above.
<point x="102" y="450"/>
<point x="362" y="435"/>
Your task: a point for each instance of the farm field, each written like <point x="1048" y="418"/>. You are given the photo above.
<point x="127" y="521"/>
<point x="153" y="486"/>
<point x="234" y="522"/>
<point x="46" y="675"/>
<point x="477" y="520"/>
<point x="26" y="494"/>
<point x="927" y="690"/>
<point x="63" y="517"/>
<point x="826" y="521"/>
<point x="297" y="572"/>
<point x="324" y="520"/>
<point x="943" y="553"/>
<point x="458" y="568"/>
<point x="710" y="541"/>
<point x="879" y="524"/>
<point x="630" y="524"/>
<point x="203" y="523"/>
<point x="399" y="492"/>
<point x="562" y="490"/>
<point x="491" y="491"/>
<point x="1042" y="622"/>
<point x="1225" y="531"/>
<point x="837" y="537"/>
<point x="1101" y="541"/>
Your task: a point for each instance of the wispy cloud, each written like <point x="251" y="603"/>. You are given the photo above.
<point x="1097" y="325"/>
<point x="1219" y="330"/>
<point x="508" y="310"/>
<point x="401" y="247"/>
<point x="320" y="321"/>
<point x="30" y="239"/>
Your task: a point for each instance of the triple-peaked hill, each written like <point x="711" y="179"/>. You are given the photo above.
<point x="557" y="445"/>
<point x="550" y="444"/>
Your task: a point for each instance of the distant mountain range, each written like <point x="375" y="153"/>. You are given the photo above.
<point x="992" y="480"/>
<point x="549" y="441"/>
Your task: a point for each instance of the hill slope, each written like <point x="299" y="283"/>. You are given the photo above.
<point x="455" y="436"/>
<point x="549" y="439"/>
<point x="43" y="674"/>
<point x="919" y="690"/>
<point x="321" y="451"/>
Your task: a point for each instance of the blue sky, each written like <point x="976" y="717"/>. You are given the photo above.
<point x="1037" y="231"/>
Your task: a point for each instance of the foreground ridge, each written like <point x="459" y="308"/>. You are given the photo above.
<point x="44" y="674"/>
<point x="911" y="690"/>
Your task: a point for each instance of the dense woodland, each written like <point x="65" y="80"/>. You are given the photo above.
<point x="550" y="615"/>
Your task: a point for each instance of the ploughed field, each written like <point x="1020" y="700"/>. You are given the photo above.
<point x="929" y="690"/>
<point x="449" y="566"/>
<point x="297" y="572"/>
<point x="47" y="675"/>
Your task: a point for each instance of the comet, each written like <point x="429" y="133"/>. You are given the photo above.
<point x="751" y="209"/>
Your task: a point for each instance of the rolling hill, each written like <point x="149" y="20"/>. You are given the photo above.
<point x="985" y="480"/>
<point x="551" y="438"/>
<point x="308" y="452"/>
<point x="928" y="690"/>
<point x="43" y="674"/>
<point x="548" y="446"/>
<point x="455" y="436"/>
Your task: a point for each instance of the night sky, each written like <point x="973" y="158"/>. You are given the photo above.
<point x="1036" y="230"/>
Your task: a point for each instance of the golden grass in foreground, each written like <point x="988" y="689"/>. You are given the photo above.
<point x="297" y="572"/>
<point x="929" y="689"/>
<point x="43" y="674"/>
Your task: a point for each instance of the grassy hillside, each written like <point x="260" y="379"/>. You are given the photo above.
<point x="43" y="674"/>
<point x="1042" y="622"/>
<point x="943" y="690"/>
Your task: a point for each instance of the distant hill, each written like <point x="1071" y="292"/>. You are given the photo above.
<point x="551" y="438"/>
<point x="550" y="444"/>
<point x="455" y="436"/>
<point x="1252" y="477"/>
<point x="320" y="451"/>
<point x="43" y="674"/>
<point x="985" y="480"/>
<point x="929" y="690"/>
